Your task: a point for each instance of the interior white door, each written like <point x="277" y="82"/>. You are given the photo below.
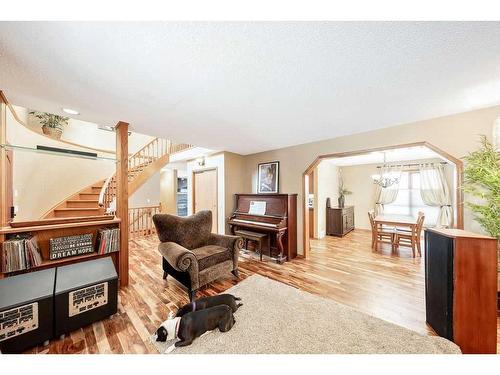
<point x="205" y="193"/>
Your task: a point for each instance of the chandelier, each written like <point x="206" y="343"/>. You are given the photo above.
<point x="386" y="179"/>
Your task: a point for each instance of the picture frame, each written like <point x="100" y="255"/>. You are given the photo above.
<point x="268" y="177"/>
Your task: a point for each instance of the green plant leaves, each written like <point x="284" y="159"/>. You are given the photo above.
<point x="482" y="181"/>
<point x="50" y="120"/>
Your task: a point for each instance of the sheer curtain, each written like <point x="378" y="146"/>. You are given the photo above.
<point x="434" y="191"/>
<point x="389" y="194"/>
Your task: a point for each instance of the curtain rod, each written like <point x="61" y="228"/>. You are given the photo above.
<point x="408" y="165"/>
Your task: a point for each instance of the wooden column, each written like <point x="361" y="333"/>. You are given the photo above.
<point x="4" y="206"/>
<point x="122" y="196"/>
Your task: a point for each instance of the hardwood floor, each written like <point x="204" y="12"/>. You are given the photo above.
<point x="385" y="285"/>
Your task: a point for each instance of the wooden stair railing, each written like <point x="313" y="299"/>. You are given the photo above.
<point x="141" y="220"/>
<point x="99" y="198"/>
<point x="141" y="166"/>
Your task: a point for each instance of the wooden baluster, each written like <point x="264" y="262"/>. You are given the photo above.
<point x="143" y="224"/>
<point x="135" y="222"/>
<point x="147" y="221"/>
<point x="131" y="225"/>
<point x="138" y="222"/>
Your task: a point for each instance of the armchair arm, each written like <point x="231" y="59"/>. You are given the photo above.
<point x="179" y="257"/>
<point x="234" y="243"/>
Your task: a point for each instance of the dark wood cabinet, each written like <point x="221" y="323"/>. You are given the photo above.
<point x="339" y="220"/>
<point x="461" y="288"/>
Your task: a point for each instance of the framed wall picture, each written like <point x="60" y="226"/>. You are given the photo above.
<point x="268" y="181"/>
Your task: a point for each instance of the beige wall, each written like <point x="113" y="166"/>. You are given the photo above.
<point x="357" y="178"/>
<point x="456" y="134"/>
<point x="233" y="180"/>
<point x="326" y="186"/>
<point x="148" y="193"/>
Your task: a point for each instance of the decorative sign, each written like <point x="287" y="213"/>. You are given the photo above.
<point x="63" y="247"/>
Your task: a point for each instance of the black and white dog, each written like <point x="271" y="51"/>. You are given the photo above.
<point x="206" y="302"/>
<point x="194" y="319"/>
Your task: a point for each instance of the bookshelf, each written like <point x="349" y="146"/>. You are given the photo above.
<point x="60" y="227"/>
<point x="46" y="231"/>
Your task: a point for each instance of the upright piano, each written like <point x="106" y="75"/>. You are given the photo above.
<point x="279" y="220"/>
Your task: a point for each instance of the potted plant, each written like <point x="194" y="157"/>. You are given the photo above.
<point x="342" y="190"/>
<point x="52" y="125"/>
<point x="482" y="182"/>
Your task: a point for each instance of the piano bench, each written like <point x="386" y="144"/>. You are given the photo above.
<point x="253" y="236"/>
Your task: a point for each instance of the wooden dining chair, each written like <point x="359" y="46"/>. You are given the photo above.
<point x="379" y="234"/>
<point x="411" y="238"/>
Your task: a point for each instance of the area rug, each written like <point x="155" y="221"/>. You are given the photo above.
<point x="277" y="318"/>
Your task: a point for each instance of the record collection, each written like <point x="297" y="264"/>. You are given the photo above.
<point x="20" y="253"/>
<point x="109" y="240"/>
<point x="63" y="247"/>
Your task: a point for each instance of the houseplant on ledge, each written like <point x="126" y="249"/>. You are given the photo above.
<point x="482" y="182"/>
<point x="52" y="125"/>
<point x="342" y="190"/>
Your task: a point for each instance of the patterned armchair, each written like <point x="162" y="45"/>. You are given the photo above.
<point x="191" y="253"/>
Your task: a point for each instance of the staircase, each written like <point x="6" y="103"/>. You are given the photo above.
<point x="98" y="198"/>
<point x="83" y="203"/>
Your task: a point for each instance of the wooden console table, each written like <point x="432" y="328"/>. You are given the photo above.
<point x="339" y="220"/>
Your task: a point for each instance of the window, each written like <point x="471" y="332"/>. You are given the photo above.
<point x="409" y="201"/>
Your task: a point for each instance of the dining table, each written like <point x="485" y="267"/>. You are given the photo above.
<point x="398" y="221"/>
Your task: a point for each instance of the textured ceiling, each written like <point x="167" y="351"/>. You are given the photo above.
<point x="249" y="87"/>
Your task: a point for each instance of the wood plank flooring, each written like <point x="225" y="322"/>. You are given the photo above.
<point x="388" y="286"/>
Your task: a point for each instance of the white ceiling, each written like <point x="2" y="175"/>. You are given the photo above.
<point x="252" y="86"/>
<point x="391" y="156"/>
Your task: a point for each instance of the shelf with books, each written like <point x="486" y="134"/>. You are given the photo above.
<point x="44" y="233"/>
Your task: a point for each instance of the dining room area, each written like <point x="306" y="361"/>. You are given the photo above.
<point x="368" y="213"/>
<point x="391" y="196"/>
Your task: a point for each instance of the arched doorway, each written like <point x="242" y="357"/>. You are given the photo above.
<point x="307" y="174"/>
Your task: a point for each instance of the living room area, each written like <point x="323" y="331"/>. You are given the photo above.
<point x="249" y="188"/>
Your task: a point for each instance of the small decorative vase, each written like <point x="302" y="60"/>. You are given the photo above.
<point x="341" y="201"/>
<point x="52" y="132"/>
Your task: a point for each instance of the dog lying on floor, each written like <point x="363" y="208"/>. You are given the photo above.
<point x="194" y="319"/>
<point x="206" y="302"/>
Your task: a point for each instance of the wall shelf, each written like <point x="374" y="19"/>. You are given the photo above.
<point x="45" y="232"/>
<point x="55" y="153"/>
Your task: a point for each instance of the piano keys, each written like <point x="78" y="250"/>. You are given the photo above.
<point x="279" y="221"/>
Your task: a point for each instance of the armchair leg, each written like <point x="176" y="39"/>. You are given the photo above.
<point x="192" y="295"/>
<point x="236" y="273"/>
<point x="165" y="274"/>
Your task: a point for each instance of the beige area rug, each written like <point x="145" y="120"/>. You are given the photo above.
<point x="277" y="318"/>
